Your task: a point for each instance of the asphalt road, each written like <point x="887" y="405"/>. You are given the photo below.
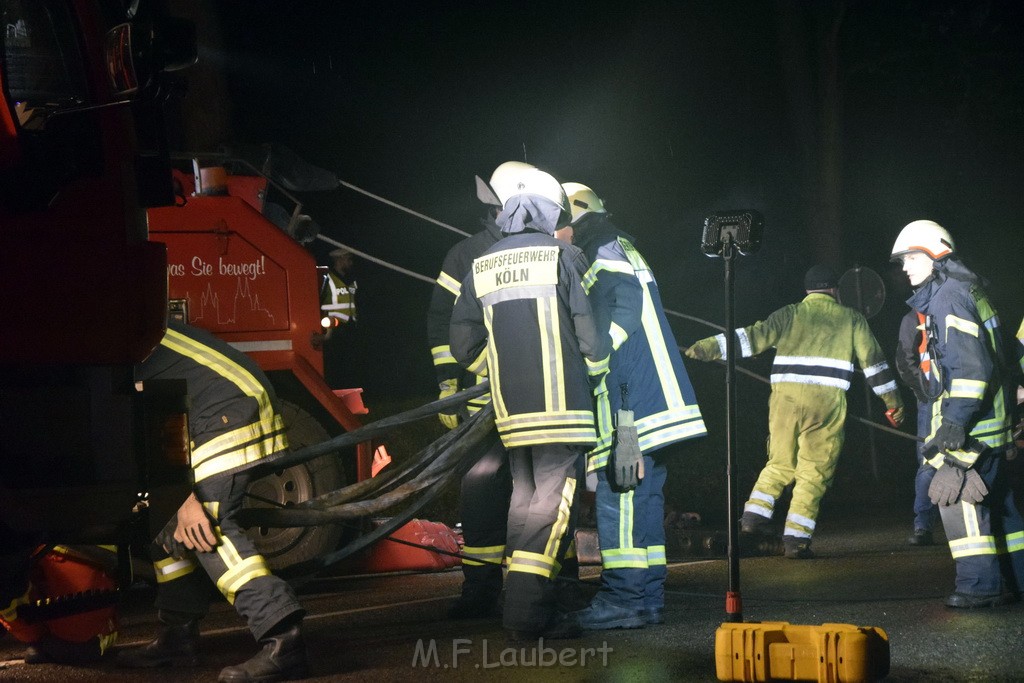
<point x="392" y="627"/>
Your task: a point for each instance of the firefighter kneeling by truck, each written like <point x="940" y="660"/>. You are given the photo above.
<point x="233" y="422"/>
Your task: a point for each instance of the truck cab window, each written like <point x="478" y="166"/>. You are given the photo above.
<point x="42" y="60"/>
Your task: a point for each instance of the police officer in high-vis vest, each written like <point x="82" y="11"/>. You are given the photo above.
<point x="969" y="428"/>
<point x="233" y="421"/>
<point x="339" y="319"/>
<point x="523" y="319"/>
<point x="338" y="296"/>
<point x="817" y="341"/>
<point x="646" y="374"/>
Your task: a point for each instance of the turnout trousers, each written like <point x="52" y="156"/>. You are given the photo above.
<point x="235" y="567"/>
<point x="541" y="522"/>
<point x="484" y="510"/>
<point x="987" y="539"/>
<point x="631" y="533"/>
<point x="805" y="423"/>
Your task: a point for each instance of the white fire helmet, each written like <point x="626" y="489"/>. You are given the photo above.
<point x="506" y="177"/>
<point x="536" y="182"/>
<point x="582" y="200"/>
<point x="927" y="237"/>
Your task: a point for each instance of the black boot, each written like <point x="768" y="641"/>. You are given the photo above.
<point x="476" y="605"/>
<point x="175" y="645"/>
<point x="797" y="548"/>
<point x="481" y="593"/>
<point x="283" y="658"/>
<point x="753" y="523"/>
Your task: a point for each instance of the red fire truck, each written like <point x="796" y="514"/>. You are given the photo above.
<point x="83" y="447"/>
<point x="251" y="281"/>
<point x="87" y="274"/>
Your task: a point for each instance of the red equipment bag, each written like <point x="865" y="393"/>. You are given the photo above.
<point x="61" y="572"/>
<point x="388" y="555"/>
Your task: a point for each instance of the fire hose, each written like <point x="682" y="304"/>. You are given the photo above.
<point x="416" y="483"/>
<point x="420" y="481"/>
<point x="265" y="466"/>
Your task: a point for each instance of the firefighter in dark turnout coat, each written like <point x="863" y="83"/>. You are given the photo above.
<point x="487" y="486"/>
<point x="647" y="366"/>
<point x="969" y="428"/>
<point x="233" y="421"/>
<point x="523" y="319"/>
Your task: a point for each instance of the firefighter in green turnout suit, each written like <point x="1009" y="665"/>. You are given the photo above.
<point x="816" y="342"/>
<point x="233" y="421"/>
<point x="523" y="318"/>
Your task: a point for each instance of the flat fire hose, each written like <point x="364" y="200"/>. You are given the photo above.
<point x="476" y="437"/>
<point x="450" y="461"/>
<point x="265" y="466"/>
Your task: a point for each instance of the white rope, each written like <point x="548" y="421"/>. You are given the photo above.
<point x="713" y="326"/>
<point x="453" y="229"/>
<point x="373" y="259"/>
<point x="402" y="208"/>
<point x="429" y="280"/>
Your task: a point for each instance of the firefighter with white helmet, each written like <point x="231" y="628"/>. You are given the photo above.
<point x="523" y="319"/>
<point x="646" y="374"/>
<point x="487" y="486"/>
<point x="968" y="432"/>
<point x="505" y="179"/>
<point x="927" y="237"/>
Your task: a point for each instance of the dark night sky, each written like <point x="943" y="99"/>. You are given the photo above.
<point x="670" y="110"/>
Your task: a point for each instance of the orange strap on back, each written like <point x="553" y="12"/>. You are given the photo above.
<point x="922" y="347"/>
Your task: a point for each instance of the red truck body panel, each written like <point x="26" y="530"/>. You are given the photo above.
<point x="251" y="284"/>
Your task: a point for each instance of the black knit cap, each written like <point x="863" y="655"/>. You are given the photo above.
<point x="820" y="277"/>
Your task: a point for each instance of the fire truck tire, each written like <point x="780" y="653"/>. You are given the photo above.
<point x="282" y="547"/>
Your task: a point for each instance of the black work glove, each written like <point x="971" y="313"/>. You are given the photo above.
<point x="626" y="465"/>
<point x="165" y="538"/>
<point x="946" y="486"/>
<point x="950" y="436"/>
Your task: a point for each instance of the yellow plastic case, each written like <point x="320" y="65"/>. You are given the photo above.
<point x="780" y="651"/>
